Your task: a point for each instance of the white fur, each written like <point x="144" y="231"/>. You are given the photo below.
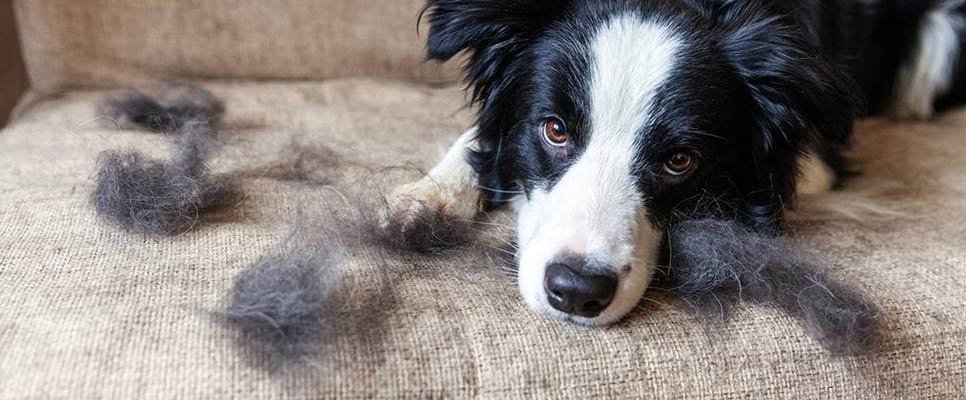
<point x="816" y="177"/>
<point x="929" y="73"/>
<point x="596" y="209"/>
<point x="450" y="187"/>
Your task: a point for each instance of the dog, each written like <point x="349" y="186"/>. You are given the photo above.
<point x="602" y="123"/>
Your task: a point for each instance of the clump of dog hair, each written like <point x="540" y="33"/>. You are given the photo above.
<point x="367" y="210"/>
<point x="429" y="231"/>
<point x="162" y="198"/>
<point x="312" y="164"/>
<point x="715" y="262"/>
<point x="420" y="228"/>
<point x="284" y="306"/>
<point x="173" y="106"/>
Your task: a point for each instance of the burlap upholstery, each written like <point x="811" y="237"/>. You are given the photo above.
<point x="71" y="43"/>
<point x="13" y="79"/>
<point x="89" y="311"/>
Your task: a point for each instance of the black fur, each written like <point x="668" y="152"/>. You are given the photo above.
<point x="753" y="86"/>
<point x="797" y="98"/>
<point x="757" y="84"/>
<point x="496" y="33"/>
<point x="714" y="263"/>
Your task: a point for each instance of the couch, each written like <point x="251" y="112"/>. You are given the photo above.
<point x="90" y="311"/>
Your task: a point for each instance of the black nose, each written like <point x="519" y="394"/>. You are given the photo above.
<point x="586" y="295"/>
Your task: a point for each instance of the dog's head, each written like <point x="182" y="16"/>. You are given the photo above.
<point x="616" y="118"/>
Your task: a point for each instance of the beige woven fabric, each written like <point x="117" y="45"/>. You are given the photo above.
<point x="13" y="79"/>
<point x="87" y="311"/>
<point x="71" y="43"/>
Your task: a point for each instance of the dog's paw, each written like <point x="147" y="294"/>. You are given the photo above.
<point x="426" y="217"/>
<point x="416" y="201"/>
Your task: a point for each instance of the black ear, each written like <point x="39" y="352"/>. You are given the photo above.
<point x="797" y="98"/>
<point x="457" y="25"/>
<point x="494" y="32"/>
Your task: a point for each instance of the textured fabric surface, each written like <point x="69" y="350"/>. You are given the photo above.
<point x="13" y="78"/>
<point x="88" y="311"/>
<point x="74" y="43"/>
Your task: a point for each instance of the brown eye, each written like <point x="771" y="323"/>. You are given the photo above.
<point x="554" y="132"/>
<point x="680" y="164"/>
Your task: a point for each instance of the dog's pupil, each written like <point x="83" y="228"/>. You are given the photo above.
<point x="680" y="162"/>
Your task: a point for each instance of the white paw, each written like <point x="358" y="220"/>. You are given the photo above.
<point x="410" y="202"/>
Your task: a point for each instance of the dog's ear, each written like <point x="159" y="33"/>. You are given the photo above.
<point x="458" y="25"/>
<point x="797" y="99"/>
<point x="494" y="32"/>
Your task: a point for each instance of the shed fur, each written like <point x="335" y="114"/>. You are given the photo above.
<point x="715" y="263"/>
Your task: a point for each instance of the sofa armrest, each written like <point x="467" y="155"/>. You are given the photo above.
<point x="13" y="77"/>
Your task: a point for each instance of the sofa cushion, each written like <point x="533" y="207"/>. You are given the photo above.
<point x="89" y="311"/>
<point x="72" y="43"/>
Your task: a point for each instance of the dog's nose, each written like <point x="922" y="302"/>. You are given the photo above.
<point x="572" y="292"/>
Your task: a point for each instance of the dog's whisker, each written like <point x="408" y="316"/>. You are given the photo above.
<point x="491" y="224"/>
<point x="652" y="301"/>
<point x="499" y="190"/>
<point x="508" y="242"/>
<point x="500" y="250"/>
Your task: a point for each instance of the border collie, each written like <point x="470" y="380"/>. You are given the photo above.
<point x="604" y="122"/>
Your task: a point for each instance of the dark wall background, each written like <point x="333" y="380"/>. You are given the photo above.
<point x="13" y="78"/>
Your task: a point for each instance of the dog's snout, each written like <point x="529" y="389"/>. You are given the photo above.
<point x="573" y="291"/>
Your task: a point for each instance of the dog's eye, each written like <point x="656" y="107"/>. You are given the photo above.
<point x="680" y="164"/>
<point x="554" y="132"/>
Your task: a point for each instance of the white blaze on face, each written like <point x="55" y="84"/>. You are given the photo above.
<point x="596" y="209"/>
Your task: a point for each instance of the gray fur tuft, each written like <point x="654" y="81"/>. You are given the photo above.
<point x="716" y="262"/>
<point x="173" y="106"/>
<point x="284" y="307"/>
<point x="429" y="232"/>
<point x="162" y="198"/>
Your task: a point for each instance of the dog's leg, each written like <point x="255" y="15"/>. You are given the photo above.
<point x="450" y="188"/>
